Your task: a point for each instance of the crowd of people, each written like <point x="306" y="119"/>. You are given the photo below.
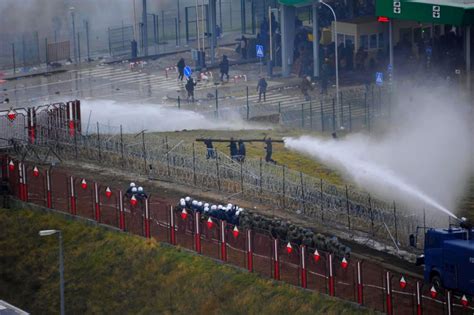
<point x="229" y="213"/>
<point x="138" y="192"/>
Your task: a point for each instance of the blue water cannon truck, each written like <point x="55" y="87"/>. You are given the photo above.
<point x="449" y="258"/>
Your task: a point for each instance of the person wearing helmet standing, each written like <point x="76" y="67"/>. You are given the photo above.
<point x="129" y="190"/>
<point x="141" y="193"/>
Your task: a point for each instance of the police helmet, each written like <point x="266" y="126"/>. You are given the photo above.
<point x="187" y="199"/>
<point x="132" y="184"/>
<point x="194" y="202"/>
<point x="134" y="189"/>
<point x="140" y="189"/>
<point x="213" y="207"/>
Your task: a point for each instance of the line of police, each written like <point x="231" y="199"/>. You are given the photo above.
<point x="229" y="213"/>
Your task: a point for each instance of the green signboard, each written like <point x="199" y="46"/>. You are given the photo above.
<point x="296" y="2"/>
<point x="453" y="12"/>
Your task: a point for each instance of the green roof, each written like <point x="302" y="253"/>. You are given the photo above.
<point x="455" y="12"/>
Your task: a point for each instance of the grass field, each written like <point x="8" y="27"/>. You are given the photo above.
<point x="109" y="272"/>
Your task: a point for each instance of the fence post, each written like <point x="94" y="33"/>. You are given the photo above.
<point x="276" y="262"/>
<point x="172" y="227"/>
<point x="167" y="156"/>
<point x="248" y="106"/>
<point x="331" y="276"/>
<point x="48" y="190"/>
<point x="365" y="108"/>
<point x="284" y="187"/>
<point x="302" y="115"/>
<point x="449" y="303"/>
<point x="14" y="61"/>
<point x="303" y="205"/>
<point x="121" y="145"/>
<point x="144" y="152"/>
<point x="98" y="142"/>
<point x="389" y="293"/>
<point x="223" y="242"/>
<point x="97" y="202"/>
<point x="73" y="197"/>
<point x="303" y="266"/>
<point x="310" y="115"/>
<point x="371" y="216"/>
<point x="217" y="170"/>
<point x="241" y="176"/>
<point x="359" y="284"/>
<point x="322" y="116"/>
<point x="25" y="183"/>
<point x="179" y="102"/>
<point x="368" y="115"/>
<point x="147" y="219"/>
<point x="121" y="212"/>
<point x="350" y="116"/>
<point x="341" y="111"/>
<point x="333" y="115"/>
<point x="249" y="251"/>
<point x="419" y="310"/>
<point x="194" y="165"/>
<point x="322" y="201"/>
<point x="347" y="209"/>
<point x="279" y="108"/>
<point x="197" y="232"/>
<point x="395" y="221"/>
<point x="217" y="104"/>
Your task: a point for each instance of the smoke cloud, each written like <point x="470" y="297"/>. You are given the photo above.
<point x="424" y="160"/>
<point x="137" y="117"/>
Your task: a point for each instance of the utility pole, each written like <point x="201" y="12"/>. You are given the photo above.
<point x="145" y="29"/>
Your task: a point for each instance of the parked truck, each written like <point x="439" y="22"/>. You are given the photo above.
<point x="449" y="258"/>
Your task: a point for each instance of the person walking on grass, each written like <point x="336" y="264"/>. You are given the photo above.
<point x="224" y="68"/>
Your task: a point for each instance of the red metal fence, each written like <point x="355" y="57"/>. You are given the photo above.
<point x="363" y="282"/>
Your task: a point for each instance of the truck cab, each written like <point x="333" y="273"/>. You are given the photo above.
<point x="449" y="259"/>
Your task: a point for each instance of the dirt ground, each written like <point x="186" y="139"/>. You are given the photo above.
<point x="171" y="193"/>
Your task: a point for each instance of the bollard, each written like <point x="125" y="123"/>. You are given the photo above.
<point x="73" y="197"/>
<point x="197" y="232"/>
<point x="389" y="293"/>
<point x="359" y="284"/>
<point x="276" y="263"/>
<point x="147" y="219"/>
<point x="331" y="276"/>
<point x="122" y="212"/>
<point x="223" y="242"/>
<point x="303" y="266"/>
<point x="48" y="190"/>
<point x="419" y="310"/>
<point x="249" y="251"/>
<point x="97" y="202"/>
<point x="172" y="227"/>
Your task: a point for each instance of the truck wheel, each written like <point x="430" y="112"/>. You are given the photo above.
<point x="436" y="282"/>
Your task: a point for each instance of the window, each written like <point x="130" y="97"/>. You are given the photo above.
<point x="373" y="41"/>
<point x="381" y="41"/>
<point x="349" y="40"/>
<point x="364" y="41"/>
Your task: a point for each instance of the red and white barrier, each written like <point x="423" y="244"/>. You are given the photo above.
<point x="197" y="233"/>
<point x="240" y="77"/>
<point x="223" y="242"/>
<point x="331" y="276"/>
<point x="72" y="196"/>
<point x="276" y="262"/>
<point x="97" y="203"/>
<point x="359" y="284"/>
<point x="388" y="293"/>
<point x="49" y="200"/>
<point x="249" y="251"/>
<point x="121" y="212"/>
<point x="147" y="219"/>
<point x="206" y="75"/>
<point x="168" y="69"/>
<point x="418" y="299"/>
<point x="172" y="227"/>
<point x="303" y="266"/>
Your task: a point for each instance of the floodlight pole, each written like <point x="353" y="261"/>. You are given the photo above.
<point x="335" y="52"/>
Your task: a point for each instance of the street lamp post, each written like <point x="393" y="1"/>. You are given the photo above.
<point x="335" y="52"/>
<point x="61" y="263"/>
<point x="73" y="33"/>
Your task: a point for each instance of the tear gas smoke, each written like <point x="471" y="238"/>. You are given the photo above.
<point x="152" y="117"/>
<point x="424" y="160"/>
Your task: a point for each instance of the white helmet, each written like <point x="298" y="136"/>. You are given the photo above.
<point x="206" y="209"/>
<point x="213" y="207"/>
<point x="140" y="189"/>
<point x="182" y="202"/>
<point x="229" y="206"/>
<point x="206" y="205"/>
<point x="194" y="202"/>
<point x="132" y="184"/>
<point x="200" y="203"/>
<point x="134" y="189"/>
<point x="187" y="199"/>
<point x="219" y="207"/>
